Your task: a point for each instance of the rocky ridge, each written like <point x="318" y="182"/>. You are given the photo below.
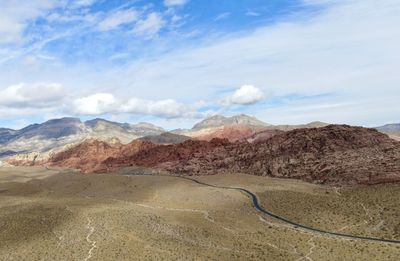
<point x="335" y="154"/>
<point x="57" y="134"/>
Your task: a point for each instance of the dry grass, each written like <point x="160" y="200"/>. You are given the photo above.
<point x="45" y="215"/>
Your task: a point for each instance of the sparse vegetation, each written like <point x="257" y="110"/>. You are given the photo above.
<point x="67" y="216"/>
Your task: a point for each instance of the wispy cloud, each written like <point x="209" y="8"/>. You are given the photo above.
<point x="172" y="3"/>
<point x="222" y="16"/>
<point x="150" y="25"/>
<point x="14" y="17"/>
<point x="347" y="47"/>
<point x="252" y="13"/>
<point x="117" y="18"/>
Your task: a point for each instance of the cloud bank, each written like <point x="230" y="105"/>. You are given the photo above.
<point x="36" y="95"/>
<point x="336" y="63"/>
<point x="106" y="103"/>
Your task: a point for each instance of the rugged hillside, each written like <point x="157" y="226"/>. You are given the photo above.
<point x="336" y="154"/>
<point x="232" y="133"/>
<point x="42" y="140"/>
<point x="90" y="155"/>
<point x="235" y="128"/>
<point x="314" y="124"/>
<point x="238" y="133"/>
<point x="393" y="130"/>
<point x="115" y="129"/>
<point x="166" y="138"/>
<point x="179" y="158"/>
<point x="6" y="134"/>
<point x="263" y="135"/>
<point x="54" y="135"/>
<point x="238" y="128"/>
<point x="221" y="121"/>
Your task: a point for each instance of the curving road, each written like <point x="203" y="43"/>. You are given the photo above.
<point x="258" y="207"/>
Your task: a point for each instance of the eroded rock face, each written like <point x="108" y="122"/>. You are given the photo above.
<point x="336" y="154"/>
<point x="232" y="133"/>
<point x="91" y="155"/>
<point x="221" y="121"/>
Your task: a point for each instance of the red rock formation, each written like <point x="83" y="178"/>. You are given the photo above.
<point x="336" y="154"/>
<point x="240" y="133"/>
<point x="232" y="133"/>
<point x="263" y="135"/>
<point x="90" y="155"/>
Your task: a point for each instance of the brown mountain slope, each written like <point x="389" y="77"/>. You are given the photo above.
<point x="336" y="154"/>
<point x="263" y="135"/>
<point x="232" y="133"/>
<point x="90" y="155"/>
<point x="166" y="138"/>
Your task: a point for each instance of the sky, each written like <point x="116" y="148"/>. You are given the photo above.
<point x="175" y="62"/>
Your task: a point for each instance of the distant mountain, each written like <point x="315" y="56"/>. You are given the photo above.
<point x="393" y="130"/>
<point x="314" y="124"/>
<point x="238" y="127"/>
<point x="6" y="134"/>
<point x="54" y="135"/>
<point x="140" y="129"/>
<point x="166" y="138"/>
<point x="395" y="127"/>
<point x="125" y="132"/>
<point x="53" y="129"/>
<point x="222" y="121"/>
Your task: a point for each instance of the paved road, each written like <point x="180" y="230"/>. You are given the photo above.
<point x="258" y="207"/>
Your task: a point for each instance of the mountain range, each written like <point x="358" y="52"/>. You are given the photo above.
<point x="317" y="152"/>
<point x="393" y="130"/>
<point x="57" y="134"/>
<point x="334" y="154"/>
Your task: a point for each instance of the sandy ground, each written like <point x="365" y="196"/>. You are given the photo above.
<point x="62" y="215"/>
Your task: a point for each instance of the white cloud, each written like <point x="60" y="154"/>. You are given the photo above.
<point x="149" y="26"/>
<point x="164" y="108"/>
<point x="14" y="17"/>
<point x="96" y="104"/>
<point x="245" y="95"/>
<point x="118" y="18"/>
<point x="37" y="95"/>
<point x="102" y="103"/>
<point x="349" y="48"/>
<point x="171" y="3"/>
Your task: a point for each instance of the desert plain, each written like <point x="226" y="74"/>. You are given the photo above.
<point x="138" y="214"/>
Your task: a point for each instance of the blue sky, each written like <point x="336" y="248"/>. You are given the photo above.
<point x="174" y="62"/>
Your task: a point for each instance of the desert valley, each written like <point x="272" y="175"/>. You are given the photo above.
<point x="191" y="130"/>
<point x="102" y="190"/>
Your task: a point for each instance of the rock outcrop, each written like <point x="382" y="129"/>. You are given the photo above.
<point x="336" y="154"/>
<point x="166" y="138"/>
